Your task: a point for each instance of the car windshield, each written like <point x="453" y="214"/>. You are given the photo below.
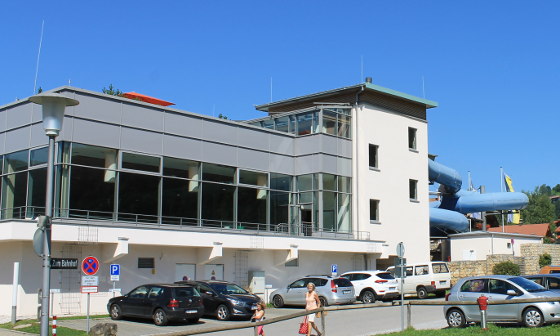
<point x="527" y="285"/>
<point x="385" y="275"/>
<point x="223" y="288"/>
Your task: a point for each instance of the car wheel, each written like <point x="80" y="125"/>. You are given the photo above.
<point x="116" y="312"/>
<point x="422" y="292"/>
<point x="222" y="313"/>
<point x="277" y="301"/>
<point x="456" y="318"/>
<point x="324" y="302"/>
<point x="368" y="297"/>
<point x="160" y="317"/>
<point x="532" y="317"/>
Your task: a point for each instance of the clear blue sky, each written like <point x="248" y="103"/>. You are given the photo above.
<point x="493" y="66"/>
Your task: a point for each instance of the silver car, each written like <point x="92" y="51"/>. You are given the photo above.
<point x="330" y="290"/>
<point x="501" y="287"/>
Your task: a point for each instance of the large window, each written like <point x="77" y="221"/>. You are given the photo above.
<point x="218" y="173"/>
<point x="138" y="197"/>
<point x="179" y="202"/>
<point x="336" y="203"/>
<point x="251" y="208"/>
<point x="217" y="205"/>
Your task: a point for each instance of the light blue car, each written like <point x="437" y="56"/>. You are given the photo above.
<point x="501" y="287"/>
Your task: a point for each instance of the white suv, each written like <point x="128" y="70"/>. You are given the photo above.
<point x="373" y="285"/>
<point x="424" y="278"/>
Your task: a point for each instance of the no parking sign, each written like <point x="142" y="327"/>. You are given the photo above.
<point x="90" y="265"/>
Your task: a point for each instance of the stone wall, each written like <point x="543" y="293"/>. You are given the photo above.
<point x="528" y="261"/>
<point x="532" y="252"/>
<point x="461" y="269"/>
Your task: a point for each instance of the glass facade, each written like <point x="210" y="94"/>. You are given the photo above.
<point x="106" y="184"/>
<point x="330" y="120"/>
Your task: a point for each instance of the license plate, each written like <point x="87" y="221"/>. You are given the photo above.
<point x="392" y="288"/>
<point x="345" y="292"/>
<point x="254" y="307"/>
<point x="193" y="311"/>
<point x="442" y="282"/>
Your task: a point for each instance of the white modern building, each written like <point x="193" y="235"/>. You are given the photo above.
<point x="335" y="177"/>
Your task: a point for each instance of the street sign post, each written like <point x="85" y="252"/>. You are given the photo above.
<point x="90" y="266"/>
<point x="401" y="269"/>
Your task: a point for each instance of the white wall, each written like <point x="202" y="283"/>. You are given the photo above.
<point x="400" y="219"/>
<point x="479" y="246"/>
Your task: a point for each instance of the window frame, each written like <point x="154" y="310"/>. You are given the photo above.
<point x="413" y="139"/>
<point x="375" y="219"/>
<point x="413" y="193"/>
<point x="375" y="165"/>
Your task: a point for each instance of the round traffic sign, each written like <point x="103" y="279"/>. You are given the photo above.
<point x="90" y="265"/>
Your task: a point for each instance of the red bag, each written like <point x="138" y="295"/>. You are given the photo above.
<point x="304" y="326"/>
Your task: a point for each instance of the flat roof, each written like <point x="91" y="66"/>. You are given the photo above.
<point x="366" y="86"/>
<point x="495" y="234"/>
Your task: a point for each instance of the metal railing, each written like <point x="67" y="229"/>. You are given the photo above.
<point x="184" y="223"/>
<point x="407" y="306"/>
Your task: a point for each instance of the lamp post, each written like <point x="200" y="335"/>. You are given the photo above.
<point x="53" y="105"/>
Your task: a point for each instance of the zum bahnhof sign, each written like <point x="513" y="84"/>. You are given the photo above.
<point x="64" y="263"/>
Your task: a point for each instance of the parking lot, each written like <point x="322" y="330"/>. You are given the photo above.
<point x="368" y="321"/>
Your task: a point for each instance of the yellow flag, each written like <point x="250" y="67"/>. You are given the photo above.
<point x="516" y="218"/>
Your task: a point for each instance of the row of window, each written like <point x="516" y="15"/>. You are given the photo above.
<point x="374" y="204"/>
<point x="374" y="149"/>
<point x="96" y="182"/>
<point x="374" y="165"/>
<point x="333" y="121"/>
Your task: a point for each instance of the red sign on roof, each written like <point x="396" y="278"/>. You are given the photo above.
<point x="146" y="99"/>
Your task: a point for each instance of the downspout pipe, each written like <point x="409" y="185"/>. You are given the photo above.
<point x="355" y="144"/>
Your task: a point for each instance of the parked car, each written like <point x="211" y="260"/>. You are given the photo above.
<point x="425" y="278"/>
<point x="548" y="281"/>
<point x="550" y="269"/>
<point x="161" y="302"/>
<point x="370" y="286"/>
<point x="225" y="300"/>
<point x="501" y="287"/>
<point x="330" y="290"/>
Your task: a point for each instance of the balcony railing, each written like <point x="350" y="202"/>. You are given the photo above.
<point x="183" y="223"/>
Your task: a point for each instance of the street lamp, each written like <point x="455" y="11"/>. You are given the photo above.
<point x="53" y="114"/>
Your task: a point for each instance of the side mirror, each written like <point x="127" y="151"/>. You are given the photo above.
<point x="511" y="292"/>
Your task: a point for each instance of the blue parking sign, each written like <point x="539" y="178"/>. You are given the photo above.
<point x="334" y="268"/>
<point x="115" y="269"/>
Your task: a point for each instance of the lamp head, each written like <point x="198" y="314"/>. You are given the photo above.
<point x="53" y="110"/>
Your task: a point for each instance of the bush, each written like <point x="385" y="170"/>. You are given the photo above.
<point x="544" y="260"/>
<point x="506" y="268"/>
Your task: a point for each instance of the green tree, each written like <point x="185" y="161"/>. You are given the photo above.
<point x="112" y="91"/>
<point x="556" y="189"/>
<point x="544" y="260"/>
<point x="221" y="116"/>
<point x="539" y="210"/>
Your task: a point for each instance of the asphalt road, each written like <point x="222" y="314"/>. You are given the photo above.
<point x="356" y="322"/>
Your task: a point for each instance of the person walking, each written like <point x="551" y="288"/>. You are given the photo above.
<point x="259" y="316"/>
<point x="312" y="302"/>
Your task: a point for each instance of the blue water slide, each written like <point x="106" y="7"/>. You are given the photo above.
<point x="449" y="213"/>
<point x="447" y="177"/>
<point x="447" y="219"/>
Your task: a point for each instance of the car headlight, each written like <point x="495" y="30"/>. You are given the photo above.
<point x="236" y="302"/>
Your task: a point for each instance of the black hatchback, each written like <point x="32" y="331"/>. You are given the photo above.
<point x="225" y="300"/>
<point x="160" y="302"/>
